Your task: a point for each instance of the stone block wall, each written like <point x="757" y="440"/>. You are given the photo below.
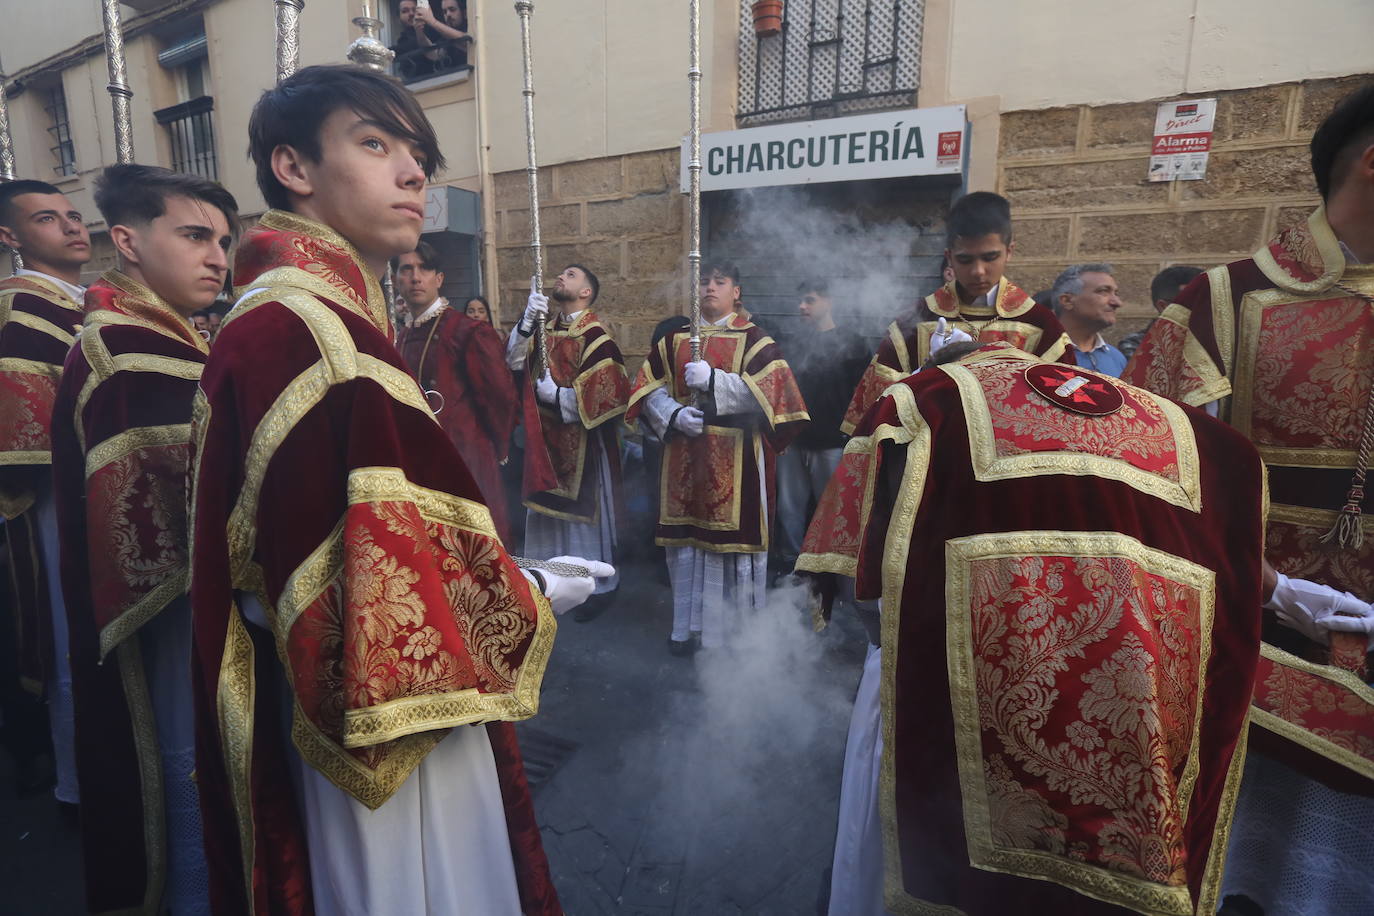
<point x="622" y="216"/>
<point x="1076" y="179"/>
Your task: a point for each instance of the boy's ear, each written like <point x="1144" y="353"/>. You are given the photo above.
<point x="292" y="171"/>
<point x="125" y="241"/>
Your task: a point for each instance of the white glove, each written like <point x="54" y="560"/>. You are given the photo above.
<point x="698" y="375"/>
<point x="567" y="592"/>
<point x="690" y="421"/>
<point x="545" y="389"/>
<point x="1314" y="609"/>
<point x="1353" y="616"/>
<point x="536" y="306"/>
<point x="943" y="337"/>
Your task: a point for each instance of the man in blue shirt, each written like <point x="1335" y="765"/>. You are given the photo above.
<point x="1086" y="297"/>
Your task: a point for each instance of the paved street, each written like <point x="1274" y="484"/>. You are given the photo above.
<point x="664" y="785"/>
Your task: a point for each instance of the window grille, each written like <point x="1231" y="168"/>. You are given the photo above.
<point x="191" y="130"/>
<point x="64" y="153"/>
<point x="833" y="57"/>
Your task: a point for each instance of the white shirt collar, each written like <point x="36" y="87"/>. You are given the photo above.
<point x="435" y="307"/>
<point x="78" y="293"/>
<point x="988" y="299"/>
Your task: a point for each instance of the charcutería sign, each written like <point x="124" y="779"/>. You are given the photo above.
<point x="922" y="141"/>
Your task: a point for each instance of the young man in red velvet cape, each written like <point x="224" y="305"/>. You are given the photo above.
<point x="980" y="303"/>
<point x="40" y="312"/>
<point x="1281" y="346"/>
<point x="121" y="454"/>
<point x="354" y="608"/>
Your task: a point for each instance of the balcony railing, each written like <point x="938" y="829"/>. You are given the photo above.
<point x="191" y="130"/>
<point x="442" y="58"/>
<point x="833" y="57"/>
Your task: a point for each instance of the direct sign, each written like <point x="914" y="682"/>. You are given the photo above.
<point x="918" y="141"/>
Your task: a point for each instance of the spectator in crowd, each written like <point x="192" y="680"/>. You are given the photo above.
<point x="479" y="309"/>
<point x="1086" y="298"/>
<point x="1164" y="289"/>
<point x="201" y="320"/>
<point x="828" y="361"/>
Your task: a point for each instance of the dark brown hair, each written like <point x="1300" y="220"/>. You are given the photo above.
<point x="292" y="113"/>
<point x="130" y="194"/>
<point x="9" y="190"/>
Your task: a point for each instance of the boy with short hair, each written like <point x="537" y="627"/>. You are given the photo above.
<point x="980" y="303"/>
<point x="723" y="419"/>
<point x="40" y="312"/>
<point x="353" y="602"/>
<point x="121" y="452"/>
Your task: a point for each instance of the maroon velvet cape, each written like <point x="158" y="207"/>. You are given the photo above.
<point x="1071" y="627"/>
<point x="38" y="324"/>
<point x="710" y="495"/>
<point x="465" y="361"/>
<point x="324" y="486"/>
<point x="1285" y="346"/>
<point x="121" y="447"/>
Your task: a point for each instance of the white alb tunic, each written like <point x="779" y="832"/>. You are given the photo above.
<point x="438" y="847"/>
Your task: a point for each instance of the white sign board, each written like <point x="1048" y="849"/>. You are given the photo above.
<point x="896" y="144"/>
<point x="1183" y="140"/>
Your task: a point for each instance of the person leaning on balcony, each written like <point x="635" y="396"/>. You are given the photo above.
<point x="450" y="51"/>
<point x="415" y="34"/>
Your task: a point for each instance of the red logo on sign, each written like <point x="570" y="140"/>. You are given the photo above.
<point x="1181" y="110"/>
<point x="950" y="147"/>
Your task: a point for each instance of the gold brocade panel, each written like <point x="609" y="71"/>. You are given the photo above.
<point x="1077" y="662"/>
<point x="1303" y="372"/>
<point x="702" y="481"/>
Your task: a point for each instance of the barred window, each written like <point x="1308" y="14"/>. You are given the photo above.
<point x="832" y="58"/>
<point x="64" y="153"/>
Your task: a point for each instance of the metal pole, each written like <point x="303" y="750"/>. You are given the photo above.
<point x="694" y="174"/>
<point x="7" y="168"/>
<point x="288" y="36"/>
<point x="120" y="93"/>
<point x="541" y="345"/>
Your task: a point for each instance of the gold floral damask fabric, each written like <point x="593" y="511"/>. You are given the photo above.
<point x="410" y="619"/>
<point x="1146" y="443"/>
<point x="1076" y="665"/>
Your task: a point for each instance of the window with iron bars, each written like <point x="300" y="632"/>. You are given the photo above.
<point x="833" y="57"/>
<point x="64" y="153"/>
<point x="191" y="130"/>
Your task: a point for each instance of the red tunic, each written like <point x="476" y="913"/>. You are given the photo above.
<point x="1015" y="318"/>
<point x="464" y="360"/>
<point x="585" y="358"/>
<point x="325" y="487"/>
<point x="710" y="493"/>
<point x="38" y="323"/>
<point x="1290" y="355"/>
<point x="1069" y="590"/>
<point x="121" y="444"/>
